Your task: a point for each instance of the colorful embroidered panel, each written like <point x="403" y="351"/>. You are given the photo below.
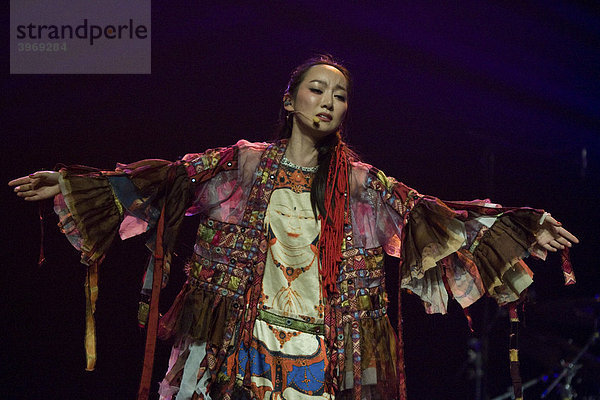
<point x="287" y="357"/>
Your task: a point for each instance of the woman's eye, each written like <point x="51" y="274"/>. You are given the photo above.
<point x="341" y="98"/>
<point x="318" y="91"/>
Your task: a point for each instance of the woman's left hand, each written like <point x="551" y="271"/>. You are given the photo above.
<point x="553" y="237"/>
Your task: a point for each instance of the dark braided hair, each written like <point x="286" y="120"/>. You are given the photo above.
<point x="326" y="146"/>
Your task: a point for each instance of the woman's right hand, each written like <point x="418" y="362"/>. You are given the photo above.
<point x="37" y="186"/>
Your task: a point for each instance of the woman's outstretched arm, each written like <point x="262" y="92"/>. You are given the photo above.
<point x="40" y="185"/>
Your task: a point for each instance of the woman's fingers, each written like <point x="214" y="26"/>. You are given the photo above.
<point x="548" y="247"/>
<point x="34" y="197"/>
<point x="42" y="193"/>
<point x="35" y="181"/>
<point x="49" y="177"/>
<point x="25" y="187"/>
<point x="19" y="181"/>
<point x="567" y="235"/>
<point x="564" y="241"/>
<point x="41" y="174"/>
<point x="26" y="192"/>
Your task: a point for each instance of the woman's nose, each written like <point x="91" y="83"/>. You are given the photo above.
<point x="328" y="102"/>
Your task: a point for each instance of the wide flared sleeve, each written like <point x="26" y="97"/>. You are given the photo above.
<point x="89" y="214"/>
<point x="95" y="206"/>
<point x="446" y="249"/>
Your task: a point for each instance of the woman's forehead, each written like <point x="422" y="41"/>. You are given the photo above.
<point x="327" y="74"/>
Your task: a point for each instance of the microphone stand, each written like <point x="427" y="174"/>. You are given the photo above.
<point x="569" y="369"/>
<point x="509" y="394"/>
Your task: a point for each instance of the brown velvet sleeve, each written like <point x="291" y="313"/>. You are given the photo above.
<point x="97" y="207"/>
<point x="94" y="209"/>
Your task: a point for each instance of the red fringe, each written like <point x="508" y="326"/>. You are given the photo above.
<point x="332" y="223"/>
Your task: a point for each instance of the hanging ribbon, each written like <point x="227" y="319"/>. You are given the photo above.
<point x="144" y="389"/>
<point x="42" y="257"/>
<point x="515" y="373"/>
<point x="91" y="295"/>
<point x="400" y="370"/>
<point x="567" y="268"/>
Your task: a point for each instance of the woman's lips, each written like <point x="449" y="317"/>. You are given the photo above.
<point x="325" y="117"/>
<point x="294" y="235"/>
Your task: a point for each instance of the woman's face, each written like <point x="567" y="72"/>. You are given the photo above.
<point x="322" y="94"/>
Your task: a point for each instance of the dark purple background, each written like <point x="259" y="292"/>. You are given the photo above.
<point x="470" y="101"/>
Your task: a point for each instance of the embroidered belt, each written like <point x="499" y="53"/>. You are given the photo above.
<point x="291" y="323"/>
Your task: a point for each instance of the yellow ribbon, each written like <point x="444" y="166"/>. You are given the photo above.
<point x="91" y="295"/>
<point x="514" y="355"/>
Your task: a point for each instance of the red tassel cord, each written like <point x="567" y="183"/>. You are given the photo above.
<point x="332" y="223"/>
<point x="42" y="257"/>
<point x="330" y="245"/>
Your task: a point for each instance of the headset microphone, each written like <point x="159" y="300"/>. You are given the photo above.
<point x="315" y="120"/>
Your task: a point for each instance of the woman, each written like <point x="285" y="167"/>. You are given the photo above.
<point x="285" y="296"/>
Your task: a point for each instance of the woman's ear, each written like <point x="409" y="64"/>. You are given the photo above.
<point x="287" y="103"/>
